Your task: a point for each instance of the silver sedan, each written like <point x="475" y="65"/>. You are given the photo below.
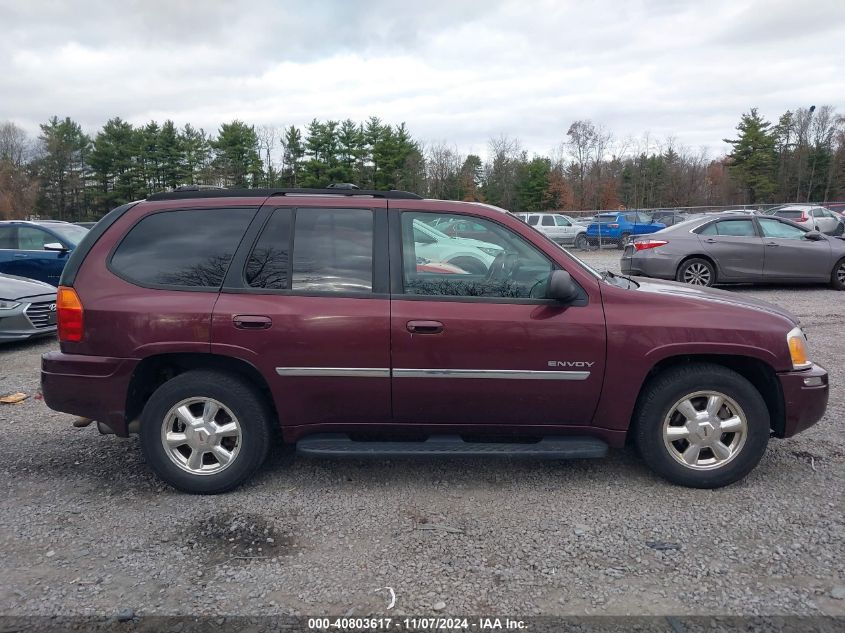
<point x="27" y="308"/>
<point x="738" y="249"/>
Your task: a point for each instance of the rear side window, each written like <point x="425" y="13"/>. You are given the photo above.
<point x="269" y="263"/>
<point x="7" y="237"/>
<point x="185" y="248"/>
<point x="735" y="228"/>
<point x="789" y="213"/>
<point x="333" y="250"/>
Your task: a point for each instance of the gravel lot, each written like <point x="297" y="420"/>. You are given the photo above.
<point x="86" y="529"/>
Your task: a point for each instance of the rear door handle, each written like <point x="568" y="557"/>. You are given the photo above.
<point x="710" y="241"/>
<point x="772" y="244"/>
<point x="251" y="322"/>
<point x="21" y="255"/>
<point x="424" y="327"/>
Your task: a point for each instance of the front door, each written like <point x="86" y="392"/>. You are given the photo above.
<point x="306" y="302"/>
<point x="32" y="261"/>
<point x="486" y="348"/>
<point x="790" y="256"/>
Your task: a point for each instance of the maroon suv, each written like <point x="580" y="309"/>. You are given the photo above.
<point x="204" y="320"/>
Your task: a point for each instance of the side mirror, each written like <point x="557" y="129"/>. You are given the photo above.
<point x="561" y="287"/>
<point x="54" y="246"/>
<point x="813" y="236"/>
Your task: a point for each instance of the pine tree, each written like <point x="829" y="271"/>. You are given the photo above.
<point x="753" y="159"/>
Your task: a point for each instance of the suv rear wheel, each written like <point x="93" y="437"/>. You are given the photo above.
<point x="703" y="426"/>
<point x="205" y="432"/>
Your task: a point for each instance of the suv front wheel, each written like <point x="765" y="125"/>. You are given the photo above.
<point x="205" y="432"/>
<point x="703" y="426"/>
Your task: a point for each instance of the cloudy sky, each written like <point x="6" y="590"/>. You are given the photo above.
<point x="454" y="71"/>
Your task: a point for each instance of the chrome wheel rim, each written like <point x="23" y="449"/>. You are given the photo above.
<point x="705" y="430"/>
<point x="697" y="274"/>
<point x="201" y="436"/>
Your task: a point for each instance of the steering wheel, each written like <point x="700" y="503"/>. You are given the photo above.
<point x="502" y="267"/>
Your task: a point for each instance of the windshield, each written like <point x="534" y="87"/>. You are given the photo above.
<point x="71" y="234"/>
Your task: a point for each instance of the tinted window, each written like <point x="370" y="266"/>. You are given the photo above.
<point x="503" y="265"/>
<point x="71" y="234"/>
<point x="333" y="250"/>
<point x="737" y="228"/>
<point x="789" y="214"/>
<point x="548" y="220"/>
<point x="7" y="237"/>
<point x="532" y="220"/>
<point x="773" y="228"/>
<point x="191" y="247"/>
<point x="269" y="263"/>
<point x="32" y="239"/>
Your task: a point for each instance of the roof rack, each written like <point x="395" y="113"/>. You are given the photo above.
<point x="181" y="194"/>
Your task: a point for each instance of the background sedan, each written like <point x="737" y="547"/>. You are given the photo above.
<point x="738" y="249"/>
<point x="27" y="308"/>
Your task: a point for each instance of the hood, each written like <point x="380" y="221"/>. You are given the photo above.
<point x="714" y="295"/>
<point x="13" y="288"/>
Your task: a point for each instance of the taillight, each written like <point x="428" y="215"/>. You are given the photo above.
<point x="613" y="226"/>
<point x="69" y="312"/>
<point x="646" y="244"/>
<point x="803" y="218"/>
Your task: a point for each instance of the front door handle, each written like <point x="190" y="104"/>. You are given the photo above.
<point x="21" y="255"/>
<point x="710" y="241"/>
<point x="251" y="322"/>
<point x="772" y="244"/>
<point x="424" y="327"/>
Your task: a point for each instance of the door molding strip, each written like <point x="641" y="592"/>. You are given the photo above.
<point x="385" y="372"/>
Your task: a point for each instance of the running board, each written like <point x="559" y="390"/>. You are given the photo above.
<point x="556" y="447"/>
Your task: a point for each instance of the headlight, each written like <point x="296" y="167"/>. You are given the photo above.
<point x="797" y="342"/>
<point x="491" y="251"/>
<point x="8" y="305"/>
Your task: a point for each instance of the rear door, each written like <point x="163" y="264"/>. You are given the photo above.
<point x="736" y="247"/>
<point x="306" y="302"/>
<point x="484" y="349"/>
<point x="789" y="255"/>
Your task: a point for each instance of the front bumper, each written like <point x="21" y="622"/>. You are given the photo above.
<point x="94" y="387"/>
<point x="33" y="318"/>
<point x="805" y="395"/>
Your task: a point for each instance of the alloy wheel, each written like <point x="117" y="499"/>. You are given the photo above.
<point x="697" y="274"/>
<point x="705" y="430"/>
<point x="201" y="436"/>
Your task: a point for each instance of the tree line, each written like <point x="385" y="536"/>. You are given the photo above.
<point x="66" y="173"/>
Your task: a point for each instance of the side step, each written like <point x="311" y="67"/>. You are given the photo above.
<point x="556" y="447"/>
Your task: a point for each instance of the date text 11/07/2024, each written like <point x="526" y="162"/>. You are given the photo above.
<point x="416" y="624"/>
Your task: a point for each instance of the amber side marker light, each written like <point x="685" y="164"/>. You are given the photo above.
<point x="69" y="312"/>
<point x="798" y="349"/>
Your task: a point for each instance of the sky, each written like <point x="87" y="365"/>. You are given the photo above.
<point x="454" y="71"/>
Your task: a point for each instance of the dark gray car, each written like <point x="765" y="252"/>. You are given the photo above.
<point x="27" y="308"/>
<point x="737" y="249"/>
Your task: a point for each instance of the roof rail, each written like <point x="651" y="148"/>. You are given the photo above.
<point x="182" y="194"/>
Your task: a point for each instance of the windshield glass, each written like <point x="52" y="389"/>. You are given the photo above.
<point x="71" y="234"/>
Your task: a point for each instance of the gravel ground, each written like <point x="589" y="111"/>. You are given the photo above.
<point x="85" y="528"/>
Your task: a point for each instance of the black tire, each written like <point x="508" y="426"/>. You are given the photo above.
<point x="623" y="241"/>
<point x="581" y="241"/>
<point x="235" y="394"/>
<point x="837" y="277"/>
<point x="696" y="268"/>
<point x="659" y="398"/>
<point x="470" y="264"/>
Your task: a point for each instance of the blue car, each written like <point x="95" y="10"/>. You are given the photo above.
<point x="618" y="227"/>
<point x="37" y="250"/>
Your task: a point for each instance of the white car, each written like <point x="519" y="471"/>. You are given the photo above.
<point x="812" y="216"/>
<point x="472" y="256"/>
<point x="558" y="227"/>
